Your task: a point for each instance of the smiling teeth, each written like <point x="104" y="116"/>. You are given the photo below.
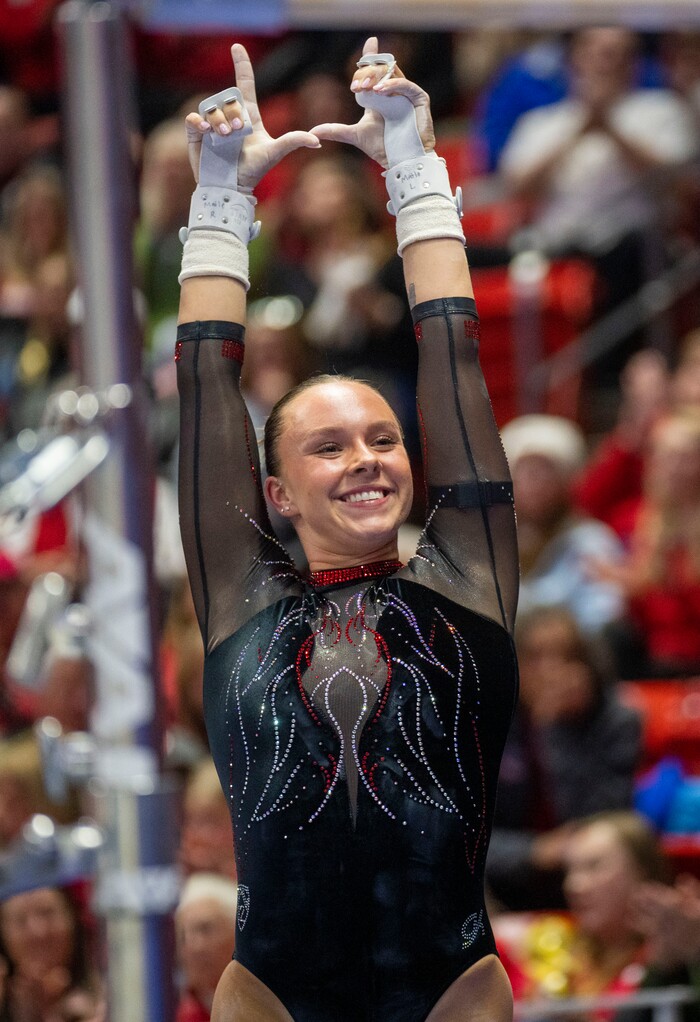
<point x="355" y="498"/>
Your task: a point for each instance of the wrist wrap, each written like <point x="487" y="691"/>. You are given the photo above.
<point x="214" y="254"/>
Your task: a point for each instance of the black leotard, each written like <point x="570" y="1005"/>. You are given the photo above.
<point x="356" y="718"/>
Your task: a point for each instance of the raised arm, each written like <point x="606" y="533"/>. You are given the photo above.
<point x="235" y="565"/>
<point x="470" y="551"/>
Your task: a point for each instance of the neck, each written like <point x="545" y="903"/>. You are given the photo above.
<point x="320" y="560"/>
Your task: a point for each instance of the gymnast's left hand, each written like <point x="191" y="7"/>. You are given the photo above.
<point x="368" y="134"/>
<point x="260" y="151"/>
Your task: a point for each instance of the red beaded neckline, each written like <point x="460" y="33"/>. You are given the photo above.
<point x="338" y="576"/>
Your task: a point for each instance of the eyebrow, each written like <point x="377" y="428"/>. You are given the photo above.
<point x="334" y="430"/>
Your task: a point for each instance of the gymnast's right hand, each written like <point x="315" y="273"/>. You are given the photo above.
<point x="260" y="151"/>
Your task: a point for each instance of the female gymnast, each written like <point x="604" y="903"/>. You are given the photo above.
<point x="356" y="714"/>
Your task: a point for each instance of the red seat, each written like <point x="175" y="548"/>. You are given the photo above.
<point x="553" y="318"/>
<point x="671" y="718"/>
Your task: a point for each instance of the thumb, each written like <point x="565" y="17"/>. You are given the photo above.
<point x="334" y="132"/>
<point x="292" y="140"/>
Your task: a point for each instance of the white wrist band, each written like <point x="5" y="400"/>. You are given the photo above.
<point x="214" y="253"/>
<point x="432" y="216"/>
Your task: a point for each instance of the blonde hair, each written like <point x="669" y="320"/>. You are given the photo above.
<point x="20" y="762"/>
<point x="663" y="526"/>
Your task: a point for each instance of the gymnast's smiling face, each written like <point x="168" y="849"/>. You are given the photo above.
<point x="344" y="478"/>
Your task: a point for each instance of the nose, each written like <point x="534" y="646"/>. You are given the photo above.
<point x="364" y="458"/>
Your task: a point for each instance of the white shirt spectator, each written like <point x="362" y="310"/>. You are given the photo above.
<point x="595" y="196"/>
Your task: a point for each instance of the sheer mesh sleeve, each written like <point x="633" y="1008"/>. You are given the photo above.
<point x="469" y="549"/>
<point x="236" y="566"/>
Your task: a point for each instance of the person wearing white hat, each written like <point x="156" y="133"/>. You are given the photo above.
<point x="558" y="547"/>
<point x="205" y="927"/>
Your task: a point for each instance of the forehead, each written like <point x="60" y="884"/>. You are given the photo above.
<point x="336" y="405"/>
<point x="32" y="901"/>
<point x="548" y="633"/>
<point x="598" y="841"/>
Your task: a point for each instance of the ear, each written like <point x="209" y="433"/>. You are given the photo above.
<point x="276" y="494"/>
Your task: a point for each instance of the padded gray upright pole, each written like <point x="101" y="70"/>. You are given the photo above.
<point x="137" y="809"/>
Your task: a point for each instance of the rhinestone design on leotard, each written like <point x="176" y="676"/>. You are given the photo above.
<point x="342" y="678"/>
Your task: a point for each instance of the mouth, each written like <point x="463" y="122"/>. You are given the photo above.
<point x="372" y="495"/>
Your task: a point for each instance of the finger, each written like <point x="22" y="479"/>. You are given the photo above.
<point x="369" y="76"/>
<point x="292" y="140"/>
<point x="402" y="87"/>
<point x="245" y="79"/>
<point x="227" y="119"/>
<point x="371" y="45"/>
<point x="195" y="128"/>
<point x="334" y="132"/>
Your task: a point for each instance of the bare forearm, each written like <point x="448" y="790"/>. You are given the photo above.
<point x="436" y="269"/>
<point x="212" y="298"/>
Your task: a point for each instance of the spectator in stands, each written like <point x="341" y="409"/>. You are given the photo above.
<point x="165" y="193"/>
<point x="67" y="689"/>
<point x="533" y="77"/>
<point x="276" y="356"/>
<point x="206" y="826"/>
<point x="661" y="573"/>
<point x="556" y="544"/>
<point x="685" y="381"/>
<point x="34" y="227"/>
<point x="608" y="860"/>
<point x="22" y="791"/>
<point x="572" y="751"/>
<point x="205" y="926"/>
<point x="611" y="481"/>
<point x="669" y="917"/>
<point x="182" y="665"/>
<point x="43" y="364"/>
<point x="589" y="160"/>
<point x="331" y="245"/>
<point x="22" y="137"/>
<point x="600" y="166"/>
<point x="536" y="75"/>
<point x="48" y="972"/>
<point x="613" y="475"/>
<point x="600" y="948"/>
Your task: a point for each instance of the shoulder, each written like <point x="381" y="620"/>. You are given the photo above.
<point x="661" y="101"/>
<point x="548" y="119"/>
<point x="659" y="115"/>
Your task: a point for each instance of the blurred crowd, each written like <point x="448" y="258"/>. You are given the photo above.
<point x="579" y="156"/>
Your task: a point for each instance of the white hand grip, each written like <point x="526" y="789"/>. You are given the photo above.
<point x="218" y="162"/>
<point x="402" y="139"/>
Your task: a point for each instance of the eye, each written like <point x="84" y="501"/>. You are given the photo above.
<point x="386" y="441"/>
<point x="330" y="447"/>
